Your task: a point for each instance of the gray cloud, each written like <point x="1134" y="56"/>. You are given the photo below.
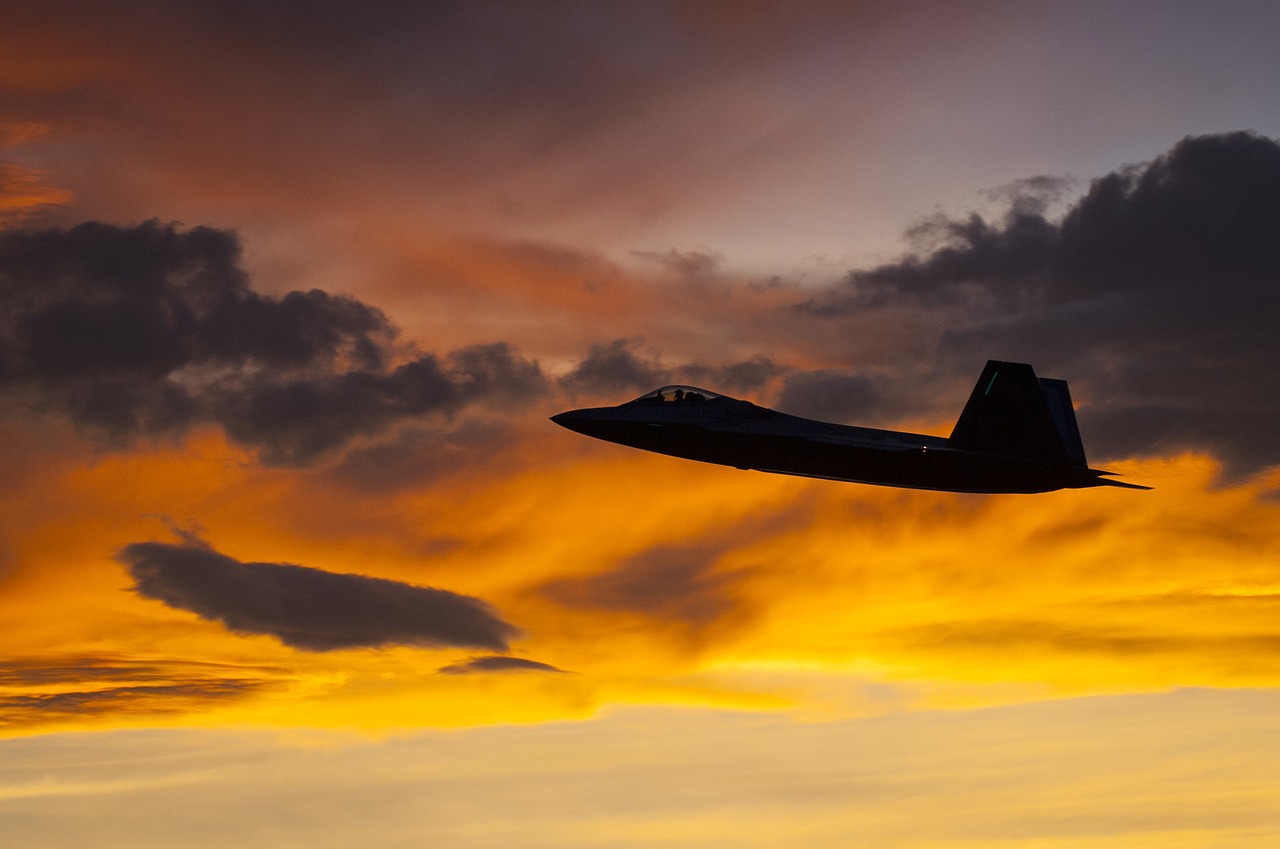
<point x="625" y="365"/>
<point x="308" y="608"/>
<point x="745" y="376"/>
<point x="496" y="663"/>
<point x="616" y="367"/>
<point x="146" y="331"/>
<point x="833" y="396"/>
<point x="294" y="421"/>
<point x="1157" y="295"/>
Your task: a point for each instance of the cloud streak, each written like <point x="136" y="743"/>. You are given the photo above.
<point x="43" y="689"/>
<point x="24" y="710"/>
<point x="496" y="663"/>
<point x="674" y="583"/>
<point x="310" y="609"/>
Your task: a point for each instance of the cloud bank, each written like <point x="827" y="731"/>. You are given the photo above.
<point x="310" y="609"/>
<point x="1157" y="294"/>
<point x="147" y="331"/>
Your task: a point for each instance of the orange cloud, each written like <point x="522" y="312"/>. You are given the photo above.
<point x="648" y="579"/>
<point x="24" y="192"/>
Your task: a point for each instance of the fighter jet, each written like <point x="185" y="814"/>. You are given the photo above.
<point x="1017" y="433"/>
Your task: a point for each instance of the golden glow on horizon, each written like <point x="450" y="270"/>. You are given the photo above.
<point x="796" y="595"/>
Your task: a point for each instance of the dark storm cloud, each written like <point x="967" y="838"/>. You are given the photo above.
<point x="293" y="421"/>
<point x="624" y="365"/>
<point x="496" y="663"/>
<point x="830" y="396"/>
<point x="615" y="367"/>
<point x="1157" y="295"/>
<point x="146" y="331"/>
<point x="873" y="397"/>
<point x="745" y="376"/>
<point x="308" y="608"/>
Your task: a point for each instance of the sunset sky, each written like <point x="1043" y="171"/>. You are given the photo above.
<point x="291" y="556"/>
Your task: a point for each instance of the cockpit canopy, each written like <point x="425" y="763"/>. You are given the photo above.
<point x="679" y="394"/>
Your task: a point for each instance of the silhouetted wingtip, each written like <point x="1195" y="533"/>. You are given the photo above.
<point x="1105" y="481"/>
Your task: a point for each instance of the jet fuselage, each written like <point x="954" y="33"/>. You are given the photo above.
<point x="695" y="424"/>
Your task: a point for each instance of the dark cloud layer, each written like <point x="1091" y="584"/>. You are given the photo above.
<point x="308" y="608"/>
<point x="1157" y="295"/>
<point x="830" y="396"/>
<point x="745" y="376"/>
<point x="626" y="365"/>
<point x="619" y="366"/>
<point x="147" y="331"/>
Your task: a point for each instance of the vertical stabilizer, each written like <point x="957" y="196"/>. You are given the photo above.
<point x="1012" y="412"/>
<point x="1063" y="413"/>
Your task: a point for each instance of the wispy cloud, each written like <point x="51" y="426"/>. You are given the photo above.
<point x="39" y="690"/>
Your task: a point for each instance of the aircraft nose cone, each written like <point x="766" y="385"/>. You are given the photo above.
<point x="573" y="420"/>
<point x="590" y="421"/>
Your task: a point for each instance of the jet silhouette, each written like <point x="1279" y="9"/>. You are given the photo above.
<point x="1017" y="433"/>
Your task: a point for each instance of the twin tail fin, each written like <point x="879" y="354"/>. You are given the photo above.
<point x="1013" y="412"/>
